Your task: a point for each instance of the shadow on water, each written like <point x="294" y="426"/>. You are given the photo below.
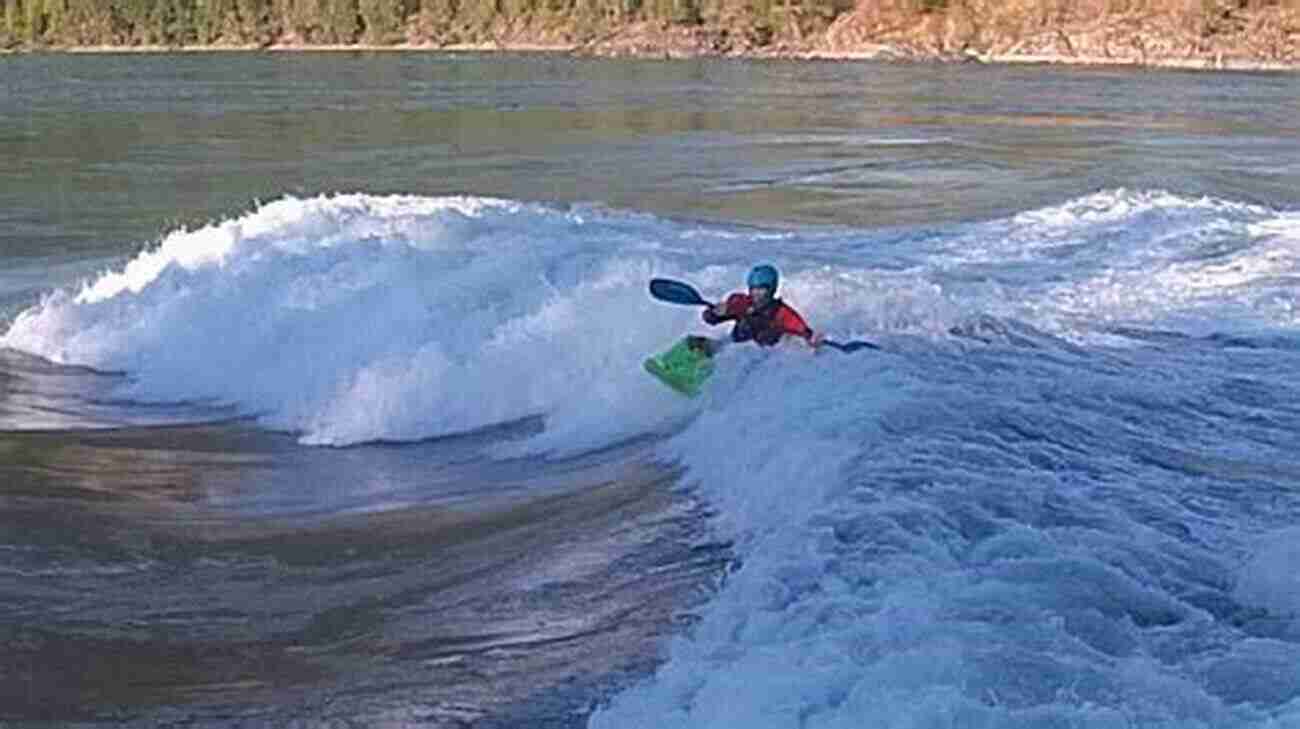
<point x="214" y="574"/>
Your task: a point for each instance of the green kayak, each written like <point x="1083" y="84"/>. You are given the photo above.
<point x="685" y="367"/>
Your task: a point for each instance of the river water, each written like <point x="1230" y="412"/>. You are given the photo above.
<point x="321" y="400"/>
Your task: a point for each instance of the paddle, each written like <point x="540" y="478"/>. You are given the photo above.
<point x="680" y="292"/>
<point x="851" y="346"/>
<point x="676" y="292"/>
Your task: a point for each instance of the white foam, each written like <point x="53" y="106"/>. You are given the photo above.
<point x="1125" y="257"/>
<point x="1269" y="580"/>
<point x="904" y="566"/>
<point x="353" y="317"/>
<point x="861" y="602"/>
<point x="1121" y="205"/>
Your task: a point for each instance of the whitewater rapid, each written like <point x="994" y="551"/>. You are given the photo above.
<point x="1064" y="494"/>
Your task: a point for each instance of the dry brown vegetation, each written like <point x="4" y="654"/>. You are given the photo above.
<point x="1136" y="31"/>
<point x="1130" y="31"/>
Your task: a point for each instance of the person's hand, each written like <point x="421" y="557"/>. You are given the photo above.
<point x="703" y="345"/>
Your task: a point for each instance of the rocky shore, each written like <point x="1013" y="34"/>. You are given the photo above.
<point x="1267" y="39"/>
<point x="1227" y="37"/>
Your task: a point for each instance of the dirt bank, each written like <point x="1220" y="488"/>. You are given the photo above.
<point x="1203" y="34"/>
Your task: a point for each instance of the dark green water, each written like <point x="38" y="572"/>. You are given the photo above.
<point x="101" y="153"/>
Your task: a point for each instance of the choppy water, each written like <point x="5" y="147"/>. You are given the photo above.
<point x="322" y="404"/>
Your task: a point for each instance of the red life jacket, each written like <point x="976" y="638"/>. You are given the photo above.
<point x="765" y="325"/>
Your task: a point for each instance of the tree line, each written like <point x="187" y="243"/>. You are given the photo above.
<point x="181" y="23"/>
<point x="202" y="22"/>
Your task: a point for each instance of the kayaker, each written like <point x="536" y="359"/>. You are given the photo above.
<point x="759" y="315"/>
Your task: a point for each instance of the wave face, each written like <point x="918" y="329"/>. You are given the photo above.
<point x="353" y="318"/>
<point x="1063" y="495"/>
<point x="1071" y="503"/>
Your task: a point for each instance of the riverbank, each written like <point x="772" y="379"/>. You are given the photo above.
<point x="1268" y="42"/>
<point x="880" y="52"/>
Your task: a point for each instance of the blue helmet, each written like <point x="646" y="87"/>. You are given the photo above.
<point x="763" y="275"/>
